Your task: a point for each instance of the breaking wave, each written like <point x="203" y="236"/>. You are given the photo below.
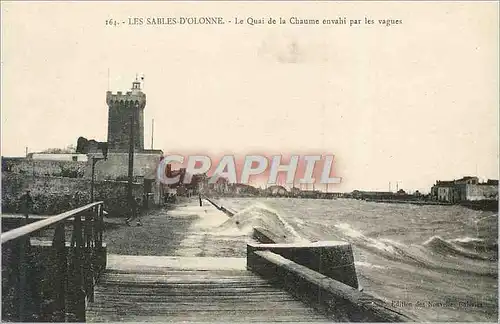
<point x="466" y="255"/>
<point x="476" y="244"/>
<point x="260" y="215"/>
<point x="435" y="253"/>
<point x="467" y="247"/>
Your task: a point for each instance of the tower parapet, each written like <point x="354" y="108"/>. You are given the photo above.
<point x="128" y="96"/>
<point x="120" y="109"/>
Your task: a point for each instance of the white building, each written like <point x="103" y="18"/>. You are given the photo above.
<point x="58" y="157"/>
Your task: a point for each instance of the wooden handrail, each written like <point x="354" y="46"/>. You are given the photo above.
<point x="72" y="270"/>
<point x="36" y="226"/>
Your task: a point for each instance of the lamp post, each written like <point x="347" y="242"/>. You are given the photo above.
<point x="94" y="161"/>
<point x="131" y="158"/>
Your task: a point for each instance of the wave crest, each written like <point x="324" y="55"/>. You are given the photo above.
<point x="466" y="247"/>
<point x="435" y="253"/>
<point x="260" y="215"/>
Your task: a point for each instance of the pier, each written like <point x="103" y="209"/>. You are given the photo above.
<point x="174" y="268"/>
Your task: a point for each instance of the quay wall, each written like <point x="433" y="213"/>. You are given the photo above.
<point x="337" y="300"/>
<point x="53" y="195"/>
<point x="332" y="259"/>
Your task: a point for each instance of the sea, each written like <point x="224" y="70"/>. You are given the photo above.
<point x="436" y="263"/>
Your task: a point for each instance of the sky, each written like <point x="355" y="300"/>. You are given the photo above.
<point x="407" y="104"/>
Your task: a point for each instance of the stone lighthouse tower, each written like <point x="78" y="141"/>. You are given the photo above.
<point x="124" y="110"/>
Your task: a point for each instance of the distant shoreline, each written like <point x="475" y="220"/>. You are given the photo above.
<point x="413" y="202"/>
<point x="485" y="205"/>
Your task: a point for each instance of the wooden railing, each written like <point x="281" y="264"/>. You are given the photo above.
<point x="51" y="280"/>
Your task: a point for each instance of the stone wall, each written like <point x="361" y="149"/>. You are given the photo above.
<point x="332" y="259"/>
<point x="53" y="195"/>
<point x="481" y="192"/>
<point x="116" y="166"/>
<point x="72" y="169"/>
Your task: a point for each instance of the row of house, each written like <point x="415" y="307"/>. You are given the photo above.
<point x="455" y="191"/>
<point x="222" y="187"/>
<point x="465" y="189"/>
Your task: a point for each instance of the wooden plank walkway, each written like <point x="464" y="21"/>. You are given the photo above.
<point x="190" y="289"/>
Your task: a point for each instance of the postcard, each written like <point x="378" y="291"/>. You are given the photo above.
<point x="238" y="161"/>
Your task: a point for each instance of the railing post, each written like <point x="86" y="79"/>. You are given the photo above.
<point x="98" y="240"/>
<point x="99" y="244"/>
<point x="75" y="293"/>
<point x="88" y="276"/>
<point x="60" y="273"/>
<point x="23" y="289"/>
<point x="100" y="227"/>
